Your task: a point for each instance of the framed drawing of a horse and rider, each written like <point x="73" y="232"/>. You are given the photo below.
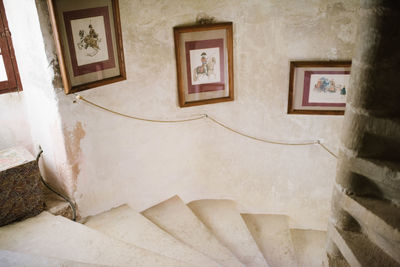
<point x="88" y="41"/>
<point x="204" y="57"/>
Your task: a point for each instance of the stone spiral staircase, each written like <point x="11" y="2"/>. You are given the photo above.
<point x="201" y="233"/>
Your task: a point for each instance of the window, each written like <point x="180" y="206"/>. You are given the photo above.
<point x="9" y="76"/>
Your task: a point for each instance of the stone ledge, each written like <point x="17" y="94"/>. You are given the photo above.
<point x="358" y="250"/>
<point x="13" y="157"/>
<point x="21" y="192"/>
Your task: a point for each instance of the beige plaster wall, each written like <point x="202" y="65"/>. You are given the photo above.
<point x="119" y="160"/>
<point x="41" y="118"/>
<point x="103" y="160"/>
<point x="14" y="124"/>
<point x="14" y="129"/>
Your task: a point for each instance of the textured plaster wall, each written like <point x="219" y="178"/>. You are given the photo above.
<point x="14" y="124"/>
<point x="103" y="160"/>
<point x="119" y="160"/>
<point x="14" y="129"/>
<point x="40" y="97"/>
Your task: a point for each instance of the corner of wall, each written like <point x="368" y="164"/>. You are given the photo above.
<point x="37" y="61"/>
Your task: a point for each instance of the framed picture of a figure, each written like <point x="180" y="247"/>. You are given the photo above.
<point x="318" y="87"/>
<point x="89" y="42"/>
<point x="204" y="59"/>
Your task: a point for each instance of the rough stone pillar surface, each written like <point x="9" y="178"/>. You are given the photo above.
<point x="375" y="83"/>
<point x="369" y="158"/>
<point x="372" y="116"/>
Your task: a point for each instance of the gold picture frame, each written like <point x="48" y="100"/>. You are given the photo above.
<point x="204" y="61"/>
<point x="88" y="40"/>
<point x="318" y="87"/>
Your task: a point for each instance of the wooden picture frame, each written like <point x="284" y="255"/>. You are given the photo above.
<point x="204" y="61"/>
<point x="318" y="87"/>
<point x="88" y="40"/>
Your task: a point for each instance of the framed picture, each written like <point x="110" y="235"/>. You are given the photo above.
<point x="89" y="42"/>
<point x="204" y="60"/>
<point x="318" y="87"/>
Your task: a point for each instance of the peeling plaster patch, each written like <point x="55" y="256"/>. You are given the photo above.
<point x="50" y="49"/>
<point x="57" y="174"/>
<point x="57" y="81"/>
<point x="72" y="144"/>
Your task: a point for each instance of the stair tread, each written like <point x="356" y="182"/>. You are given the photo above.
<point x="309" y="247"/>
<point x="224" y="220"/>
<point x="384" y="171"/>
<point x="12" y="258"/>
<point x="388" y="127"/>
<point x="382" y="212"/>
<point x="379" y="219"/>
<point x="358" y="250"/>
<point x="272" y="234"/>
<point x="55" y="236"/>
<point x="125" y="224"/>
<point x="177" y="219"/>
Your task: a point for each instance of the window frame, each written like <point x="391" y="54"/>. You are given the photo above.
<point x="13" y="82"/>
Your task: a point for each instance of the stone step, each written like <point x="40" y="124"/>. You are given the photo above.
<point x="13" y="157"/>
<point x="380" y="136"/>
<point x="12" y="258"/>
<point x="309" y="247"/>
<point x="178" y="220"/>
<point x="380" y="220"/>
<point x="272" y="234"/>
<point x="223" y="219"/>
<point x="384" y="172"/>
<point x="125" y="224"/>
<point x="358" y="250"/>
<point x="380" y="179"/>
<point x="335" y="262"/>
<point x="388" y="127"/>
<point x="57" y="237"/>
<point x="379" y="146"/>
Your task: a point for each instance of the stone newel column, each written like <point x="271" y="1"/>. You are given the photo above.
<point x="368" y="176"/>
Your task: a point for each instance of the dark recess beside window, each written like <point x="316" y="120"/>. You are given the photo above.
<point x="9" y="76"/>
